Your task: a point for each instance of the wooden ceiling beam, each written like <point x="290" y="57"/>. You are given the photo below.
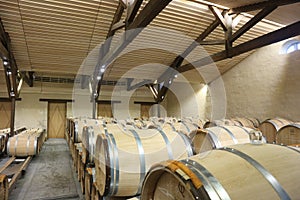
<point x="252" y="22"/>
<point x="116" y="19"/>
<point x="218" y="15"/>
<point x="143" y="19"/>
<point x="133" y="10"/>
<point x="270" y="38"/>
<point x="262" y="5"/>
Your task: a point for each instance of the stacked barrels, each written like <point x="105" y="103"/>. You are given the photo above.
<point x="179" y="159"/>
<point x="26" y="143"/>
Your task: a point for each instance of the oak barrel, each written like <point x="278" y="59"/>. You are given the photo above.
<point x="219" y="136"/>
<point x="22" y="145"/>
<point x="243" y="171"/>
<point x="289" y="134"/>
<point x="270" y="127"/>
<point x="123" y="157"/>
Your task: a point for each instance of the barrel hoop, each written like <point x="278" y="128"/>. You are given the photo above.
<point x="27" y="145"/>
<point x="142" y="158"/>
<point x="245" y="129"/>
<point x="186" y="126"/>
<point x="296" y="125"/>
<point x="206" y="184"/>
<point x="268" y="176"/>
<point x="187" y="143"/>
<point x="8" y="144"/>
<point x="214" y="138"/>
<point x="274" y="124"/>
<point x="172" y="126"/>
<point x="251" y="120"/>
<point x="105" y="128"/>
<point x="16" y="144"/>
<point x="212" y="180"/>
<point x="116" y="156"/>
<point x="280" y="121"/>
<point x="35" y="144"/>
<point x="111" y="164"/>
<point x="298" y="151"/>
<point x="230" y="133"/>
<point x="168" y="144"/>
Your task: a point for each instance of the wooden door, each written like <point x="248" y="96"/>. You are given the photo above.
<point x="5" y="113"/>
<point x="145" y="109"/>
<point x="56" y="119"/>
<point x="104" y="110"/>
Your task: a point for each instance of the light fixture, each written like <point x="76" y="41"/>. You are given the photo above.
<point x="170" y="81"/>
<point x="5" y="62"/>
<point x="162" y="97"/>
<point x="102" y="70"/>
<point x="98" y="78"/>
<point x="175" y="76"/>
<point x="155" y="82"/>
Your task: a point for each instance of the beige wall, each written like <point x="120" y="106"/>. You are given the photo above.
<point x="265" y="85"/>
<point x="31" y="112"/>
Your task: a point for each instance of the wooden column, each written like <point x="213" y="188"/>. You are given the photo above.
<point x="12" y="116"/>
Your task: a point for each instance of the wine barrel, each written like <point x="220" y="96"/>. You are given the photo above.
<point x="222" y="122"/>
<point x="245" y="122"/>
<point x="289" y="134"/>
<point x="270" y="127"/>
<point x="242" y="171"/>
<point x="91" y="137"/>
<point x="123" y="157"/>
<point x="22" y="145"/>
<point x="219" y="136"/>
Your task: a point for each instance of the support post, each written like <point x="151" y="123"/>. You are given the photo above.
<point x="12" y="116"/>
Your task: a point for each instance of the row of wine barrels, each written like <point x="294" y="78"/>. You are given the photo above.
<point x="123" y="157"/>
<point x="270" y="127"/>
<point x="22" y="145"/>
<point x="248" y="122"/>
<point x="289" y="134"/>
<point x="222" y="122"/>
<point x="243" y="171"/>
<point x="219" y="136"/>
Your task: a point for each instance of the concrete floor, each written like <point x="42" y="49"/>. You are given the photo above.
<point x="49" y="176"/>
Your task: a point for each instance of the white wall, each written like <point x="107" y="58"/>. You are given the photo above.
<point x="188" y="100"/>
<point x="31" y="112"/>
<point x="265" y="85"/>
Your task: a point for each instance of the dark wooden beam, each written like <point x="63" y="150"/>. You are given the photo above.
<point x="107" y="101"/>
<point x="212" y="42"/>
<point x="3" y="52"/>
<point x="133" y="10"/>
<point x="57" y="100"/>
<point x="144" y="102"/>
<point x="218" y="15"/>
<point x="270" y="38"/>
<point x="2" y="99"/>
<point x="117" y="18"/>
<point x="257" y="18"/>
<point x="149" y="12"/>
<point x="28" y="78"/>
<point x="262" y="5"/>
<point x="169" y="73"/>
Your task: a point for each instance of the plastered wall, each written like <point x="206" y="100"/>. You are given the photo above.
<point x="265" y="85"/>
<point x="31" y="112"/>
